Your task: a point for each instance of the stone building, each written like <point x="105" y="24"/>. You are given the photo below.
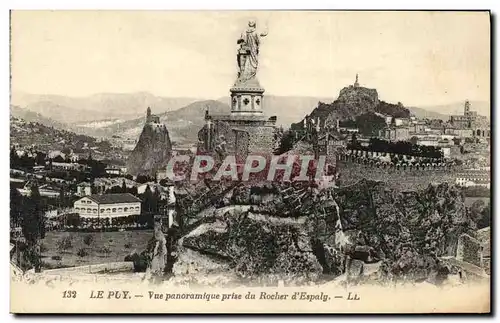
<point x="470" y="120"/>
<point x="395" y="133"/>
<point x="151" y="118"/>
<point x="459" y="132"/>
<point x="108" y="205"/>
<point x="472" y="178"/>
<point x="465" y="120"/>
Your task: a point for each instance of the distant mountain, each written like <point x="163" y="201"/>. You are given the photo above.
<point x="183" y="124"/>
<point x="482" y="108"/>
<point x="109" y="114"/>
<point x="427" y="114"/>
<point x="288" y="109"/>
<point x="45" y="138"/>
<point x="96" y="107"/>
<point x="31" y="116"/>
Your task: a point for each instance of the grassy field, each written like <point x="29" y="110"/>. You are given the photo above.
<point x="66" y="249"/>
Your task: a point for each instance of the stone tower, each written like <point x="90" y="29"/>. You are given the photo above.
<point x="466" y="108"/>
<point x="247" y="98"/>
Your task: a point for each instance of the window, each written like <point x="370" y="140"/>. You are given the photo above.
<point x="137" y="208"/>
<point x="77" y="209"/>
<point x="114" y="210"/>
<point x="102" y="210"/>
<point x="120" y="209"/>
<point x="89" y="210"/>
<point x="95" y="210"/>
<point x="125" y="209"/>
<point x="108" y="210"/>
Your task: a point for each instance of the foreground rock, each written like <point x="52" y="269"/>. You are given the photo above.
<point x="250" y="246"/>
<point x="363" y="233"/>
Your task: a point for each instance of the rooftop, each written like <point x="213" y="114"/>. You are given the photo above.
<point x="113" y="198"/>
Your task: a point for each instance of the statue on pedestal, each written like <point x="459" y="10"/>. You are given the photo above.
<point x="248" y="53"/>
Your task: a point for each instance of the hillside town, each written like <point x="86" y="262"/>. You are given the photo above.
<point x="408" y="195"/>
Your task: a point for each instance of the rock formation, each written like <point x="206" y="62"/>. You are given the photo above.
<point x="353" y="101"/>
<point x="363" y="232"/>
<point x="153" y="148"/>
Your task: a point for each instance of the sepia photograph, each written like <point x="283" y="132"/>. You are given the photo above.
<point x="250" y="161"/>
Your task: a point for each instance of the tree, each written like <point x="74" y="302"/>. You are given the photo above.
<point x="354" y="139"/>
<point x="369" y="124"/>
<point x="115" y="189"/>
<point x="62" y="198"/>
<point x="16" y="207"/>
<point x="141" y="179"/>
<point x="156" y="200"/>
<point x="133" y="190"/>
<point x="147" y="201"/>
<point x="14" y="159"/>
<point x="66" y="150"/>
<point x="124" y="187"/>
<point x="59" y="159"/>
<point x="93" y="189"/>
<point x="33" y="226"/>
<point x="485" y="220"/>
<point x="286" y="143"/>
<point x="476" y="210"/>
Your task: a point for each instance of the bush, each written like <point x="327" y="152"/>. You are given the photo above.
<point x="65" y="243"/>
<point x="141" y="262"/>
<point x="43" y="248"/>
<point x="56" y="258"/>
<point x="104" y="249"/>
<point x="88" y="239"/>
<point x="82" y="252"/>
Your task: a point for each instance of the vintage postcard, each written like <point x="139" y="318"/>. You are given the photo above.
<point x="250" y="162"/>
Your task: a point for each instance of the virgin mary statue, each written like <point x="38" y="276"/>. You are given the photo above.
<point x="248" y="53"/>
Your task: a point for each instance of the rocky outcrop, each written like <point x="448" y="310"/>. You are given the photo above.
<point x="152" y="151"/>
<point x="352" y="102"/>
<point x="249" y="246"/>
<point x="365" y="231"/>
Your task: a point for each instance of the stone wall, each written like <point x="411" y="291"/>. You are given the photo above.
<point x="399" y="179"/>
<point x="260" y="135"/>
<point x="261" y="139"/>
<point x="469" y="250"/>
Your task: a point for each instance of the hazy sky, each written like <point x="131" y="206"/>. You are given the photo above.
<point x="418" y="58"/>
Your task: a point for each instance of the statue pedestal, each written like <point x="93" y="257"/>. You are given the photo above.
<point x="247" y="97"/>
